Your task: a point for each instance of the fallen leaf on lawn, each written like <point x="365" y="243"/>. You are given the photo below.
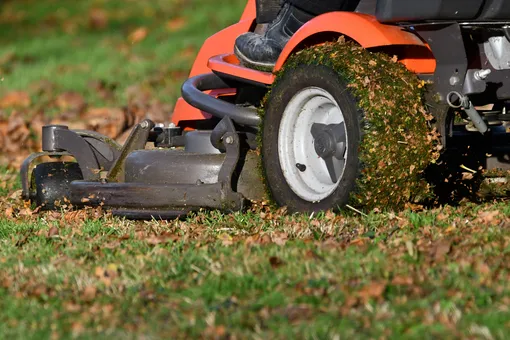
<point x="112" y="270"/>
<point x="138" y="35"/>
<point x="107" y="121"/>
<point x="402" y="281"/>
<point x="226" y="239"/>
<point x="279" y="238"/>
<point x="72" y="307"/>
<point x="187" y="53"/>
<point x="98" y="18"/>
<point x="77" y="328"/>
<point x="15" y="99"/>
<point x="103" y="89"/>
<point x="9" y="212"/>
<point x="72" y="101"/>
<point x="215" y="332"/>
<point x="276" y="262"/>
<point x="53" y="232"/>
<point x="89" y="293"/>
<point x="483" y="268"/>
<point x="295" y="313"/>
<point x="441" y="249"/>
<point x="488" y="217"/>
<point x="466" y="176"/>
<point x="160" y="239"/>
<point x="41" y="87"/>
<point x="311" y="254"/>
<point x="176" y="24"/>
<point x="359" y="241"/>
<point x="374" y="290"/>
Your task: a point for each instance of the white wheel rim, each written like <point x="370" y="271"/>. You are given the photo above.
<point x="296" y="144"/>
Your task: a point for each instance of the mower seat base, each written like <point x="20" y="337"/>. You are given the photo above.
<point x="391" y="11"/>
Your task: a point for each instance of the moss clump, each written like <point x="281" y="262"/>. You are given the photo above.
<point x="398" y="142"/>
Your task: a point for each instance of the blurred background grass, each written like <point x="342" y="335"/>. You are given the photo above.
<point x="120" y="42"/>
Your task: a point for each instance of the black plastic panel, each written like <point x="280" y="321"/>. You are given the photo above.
<point x="428" y="10"/>
<point x="496" y="10"/>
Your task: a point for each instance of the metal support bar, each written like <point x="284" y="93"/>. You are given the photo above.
<point x="477" y="120"/>
<point x="92" y="151"/>
<point x="136" y="141"/>
<point x="58" y="138"/>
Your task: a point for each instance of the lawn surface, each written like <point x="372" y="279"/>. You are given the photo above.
<point x="440" y="273"/>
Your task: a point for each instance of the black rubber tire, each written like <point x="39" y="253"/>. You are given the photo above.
<point x="292" y="81"/>
<point x="52" y="182"/>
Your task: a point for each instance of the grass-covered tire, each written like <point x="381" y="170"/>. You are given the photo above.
<point x="306" y="97"/>
<point x="52" y="182"/>
<point x="388" y="132"/>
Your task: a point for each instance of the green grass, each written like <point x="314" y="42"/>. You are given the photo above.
<point x="41" y="43"/>
<point x="278" y="277"/>
<point x="435" y="274"/>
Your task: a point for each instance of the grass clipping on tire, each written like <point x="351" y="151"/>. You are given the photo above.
<point x="398" y="142"/>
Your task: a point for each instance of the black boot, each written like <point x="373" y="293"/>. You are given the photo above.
<point x="262" y="51"/>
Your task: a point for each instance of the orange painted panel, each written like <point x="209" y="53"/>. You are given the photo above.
<point x="362" y="28"/>
<point x="219" y="43"/>
<point x="229" y="64"/>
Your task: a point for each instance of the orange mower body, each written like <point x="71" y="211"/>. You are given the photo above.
<point x="216" y="54"/>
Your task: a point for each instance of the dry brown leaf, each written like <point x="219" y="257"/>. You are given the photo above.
<point x="215" y="332"/>
<point x="77" y="328"/>
<point x="70" y="101"/>
<point x="53" y="232"/>
<point x="296" y="313"/>
<point x="9" y="212"/>
<point x="89" y="293"/>
<point x="441" y="249"/>
<point x="107" y="121"/>
<point x="138" y="35"/>
<point x="103" y="89"/>
<point x="15" y="99"/>
<point x="187" y="53"/>
<point x="276" y="262"/>
<point x="98" y="18"/>
<point x="279" y="238"/>
<point x="483" y="268"/>
<point x="226" y="239"/>
<point x="176" y="24"/>
<point x="72" y="307"/>
<point x="374" y="290"/>
<point x="402" y="281"/>
<point x="489" y="217"/>
<point x="467" y="176"/>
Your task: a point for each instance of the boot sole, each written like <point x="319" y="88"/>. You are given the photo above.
<point x="257" y="65"/>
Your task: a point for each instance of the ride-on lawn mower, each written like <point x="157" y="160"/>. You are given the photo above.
<point x="358" y="102"/>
